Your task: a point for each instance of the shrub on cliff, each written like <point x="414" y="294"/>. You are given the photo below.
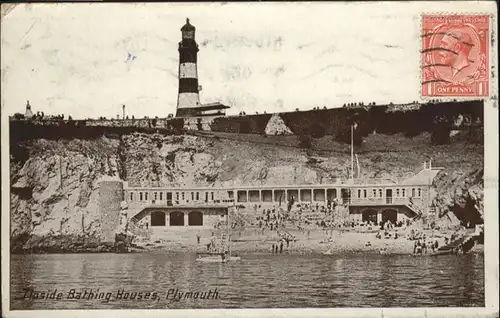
<point x="345" y="137"/>
<point x="176" y="124"/>
<point x="440" y="134"/>
<point x="317" y="131"/>
<point x="305" y="141"/>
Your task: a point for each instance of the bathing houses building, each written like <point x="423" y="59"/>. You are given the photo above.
<point x="203" y="207"/>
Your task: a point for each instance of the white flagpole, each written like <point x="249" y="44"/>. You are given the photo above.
<point x="357" y="166"/>
<point x="352" y="151"/>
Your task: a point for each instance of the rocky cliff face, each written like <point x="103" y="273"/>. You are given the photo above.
<point x="55" y="191"/>
<point x="54" y="188"/>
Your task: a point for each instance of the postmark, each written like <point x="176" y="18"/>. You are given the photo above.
<point x="455" y="56"/>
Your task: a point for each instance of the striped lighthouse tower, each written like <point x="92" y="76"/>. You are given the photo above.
<point x="188" y="99"/>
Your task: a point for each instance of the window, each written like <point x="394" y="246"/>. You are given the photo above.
<point x="397" y="193"/>
<point x="177" y="196"/>
<point x="146" y="196"/>
<point x="212" y="195"/>
<point x="419" y="192"/>
<point x="131" y="196"/>
<point x="413" y="192"/>
<point x="140" y="196"/>
<point x="380" y="193"/>
<point x="192" y="196"/>
<point x="364" y="193"/>
<point x="359" y="193"/>
<point x="161" y="196"/>
<point x="374" y="193"/>
<point x="183" y="196"/>
<point x="404" y="193"/>
<point x="197" y="196"/>
<point x="156" y="196"/>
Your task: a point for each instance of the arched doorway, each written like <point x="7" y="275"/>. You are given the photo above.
<point x="176" y="219"/>
<point x="158" y="218"/>
<point x="369" y="215"/>
<point x="390" y="215"/>
<point x="195" y="218"/>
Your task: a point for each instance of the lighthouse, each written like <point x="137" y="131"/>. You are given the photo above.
<point x="188" y="99"/>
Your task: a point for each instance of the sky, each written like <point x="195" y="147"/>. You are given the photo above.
<point x="254" y="57"/>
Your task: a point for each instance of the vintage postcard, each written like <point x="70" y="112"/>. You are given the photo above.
<point x="250" y="159"/>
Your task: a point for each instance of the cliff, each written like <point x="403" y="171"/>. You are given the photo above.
<point x="54" y="183"/>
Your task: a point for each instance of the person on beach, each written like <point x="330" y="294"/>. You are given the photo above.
<point x="281" y="246"/>
<point x="272" y="249"/>
<point x="417" y="248"/>
<point x="212" y="241"/>
<point x="198" y="238"/>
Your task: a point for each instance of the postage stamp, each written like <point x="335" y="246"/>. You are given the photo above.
<point x="309" y="178"/>
<point x="455" y="55"/>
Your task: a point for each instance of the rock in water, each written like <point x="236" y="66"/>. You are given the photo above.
<point x="123" y="241"/>
<point x="276" y="126"/>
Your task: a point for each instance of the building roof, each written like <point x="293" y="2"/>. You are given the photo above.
<point x="188" y="26"/>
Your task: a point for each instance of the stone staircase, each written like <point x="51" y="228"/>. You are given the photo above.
<point x="137" y="231"/>
<point x="467" y="242"/>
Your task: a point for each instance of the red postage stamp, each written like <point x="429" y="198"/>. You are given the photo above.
<point x="455" y="55"/>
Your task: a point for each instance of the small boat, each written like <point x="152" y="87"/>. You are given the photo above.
<point x="217" y="259"/>
<point x="329" y="252"/>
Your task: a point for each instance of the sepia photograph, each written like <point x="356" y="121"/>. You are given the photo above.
<point x="249" y="156"/>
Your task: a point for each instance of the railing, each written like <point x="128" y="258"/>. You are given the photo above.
<point x="381" y="201"/>
<point x="415" y="207"/>
<point x="177" y="203"/>
<point x="384" y="200"/>
<point x="359" y="181"/>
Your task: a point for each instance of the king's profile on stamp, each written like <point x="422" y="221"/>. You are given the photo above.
<point x="456" y="46"/>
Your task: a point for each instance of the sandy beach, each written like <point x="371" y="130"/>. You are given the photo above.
<point x="312" y="241"/>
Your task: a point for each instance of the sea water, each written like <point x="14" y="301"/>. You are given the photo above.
<point x="175" y="280"/>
